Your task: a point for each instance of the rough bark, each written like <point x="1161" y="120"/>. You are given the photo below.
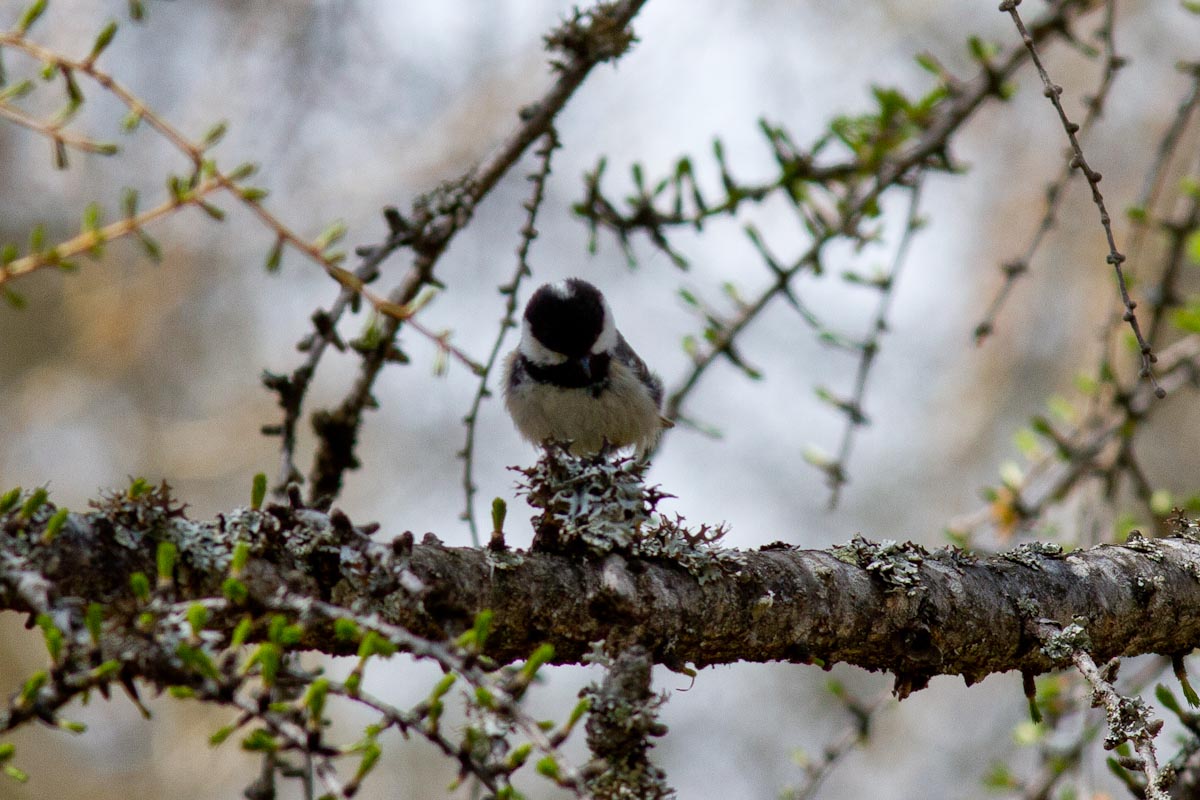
<point x="891" y="607"/>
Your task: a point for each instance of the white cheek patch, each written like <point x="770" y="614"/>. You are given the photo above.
<point x="607" y="341"/>
<point x="535" y="351"/>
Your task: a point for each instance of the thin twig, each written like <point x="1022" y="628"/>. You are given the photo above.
<point x="1167" y="147"/>
<point x="1079" y="161"/>
<point x="89" y="240"/>
<point x="852" y="737"/>
<point x="510" y="291"/>
<point x="202" y="167"/>
<point x="1166" y="295"/>
<point x="1129" y="718"/>
<point x="1015" y="268"/>
<point x="54" y="132"/>
<point x="869" y="349"/>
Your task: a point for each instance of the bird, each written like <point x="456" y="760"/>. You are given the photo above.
<point x="574" y="380"/>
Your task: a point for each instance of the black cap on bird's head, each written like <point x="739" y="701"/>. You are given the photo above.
<point x="569" y="317"/>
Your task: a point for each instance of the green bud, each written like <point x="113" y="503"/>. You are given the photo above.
<point x="540" y="656"/>
<point x="103" y="40"/>
<point x="549" y="767"/>
<point x="214" y="134"/>
<point x="314" y="699"/>
<point x="220" y="735"/>
<point x="35" y="10"/>
<point x="54" y="525"/>
<point x="234" y="591"/>
<point x="260" y="741"/>
<point x="238" y="637"/>
<point x="197" y="617"/>
<point x="371" y="752"/>
<point x="275" y="257"/>
<point x="241" y="555"/>
<point x="140" y="585"/>
<point x="52" y="636"/>
<point x="499" y="511"/>
<point x="346" y="630"/>
<point x="93" y="620"/>
<point x="165" y="558"/>
<point x="9" y="500"/>
<point x="35" y="501"/>
<point x="258" y="491"/>
<point x="443" y="686"/>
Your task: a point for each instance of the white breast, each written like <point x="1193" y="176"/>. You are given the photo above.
<point x="623" y="414"/>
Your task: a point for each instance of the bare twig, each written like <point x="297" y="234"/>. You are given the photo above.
<point x="851" y="737"/>
<point x="869" y="349"/>
<point x="1014" y="269"/>
<point x="1079" y="161"/>
<point x="510" y="291"/>
<point x="1167" y="147"/>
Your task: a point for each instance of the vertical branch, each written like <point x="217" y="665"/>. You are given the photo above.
<point x="1129" y="718"/>
<point x="623" y="717"/>
<point x="1166" y="149"/>
<point x="510" y="291"/>
<point x="869" y="349"/>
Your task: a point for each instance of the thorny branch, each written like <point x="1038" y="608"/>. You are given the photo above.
<point x="888" y="606"/>
<point x="1078" y="161"/>
<point x="510" y="291"/>
<point x="1014" y="269"/>
<point x="236" y="598"/>
<point x="236" y="645"/>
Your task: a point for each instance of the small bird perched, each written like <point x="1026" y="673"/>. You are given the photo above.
<point x="574" y="378"/>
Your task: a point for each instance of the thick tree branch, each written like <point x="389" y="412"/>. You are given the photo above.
<point x="891" y="607"/>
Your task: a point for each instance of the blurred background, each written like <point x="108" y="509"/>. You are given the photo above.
<point x="129" y="369"/>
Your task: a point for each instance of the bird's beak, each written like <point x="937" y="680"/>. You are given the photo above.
<point x="586" y="363"/>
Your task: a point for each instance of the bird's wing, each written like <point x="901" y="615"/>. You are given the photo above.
<point x="624" y="353"/>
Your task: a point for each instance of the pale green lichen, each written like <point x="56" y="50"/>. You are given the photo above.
<point x="1032" y="554"/>
<point x="897" y="564"/>
<point x="1139" y="543"/>
<point x="1060" y="647"/>
<point x="596" y="505"/>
